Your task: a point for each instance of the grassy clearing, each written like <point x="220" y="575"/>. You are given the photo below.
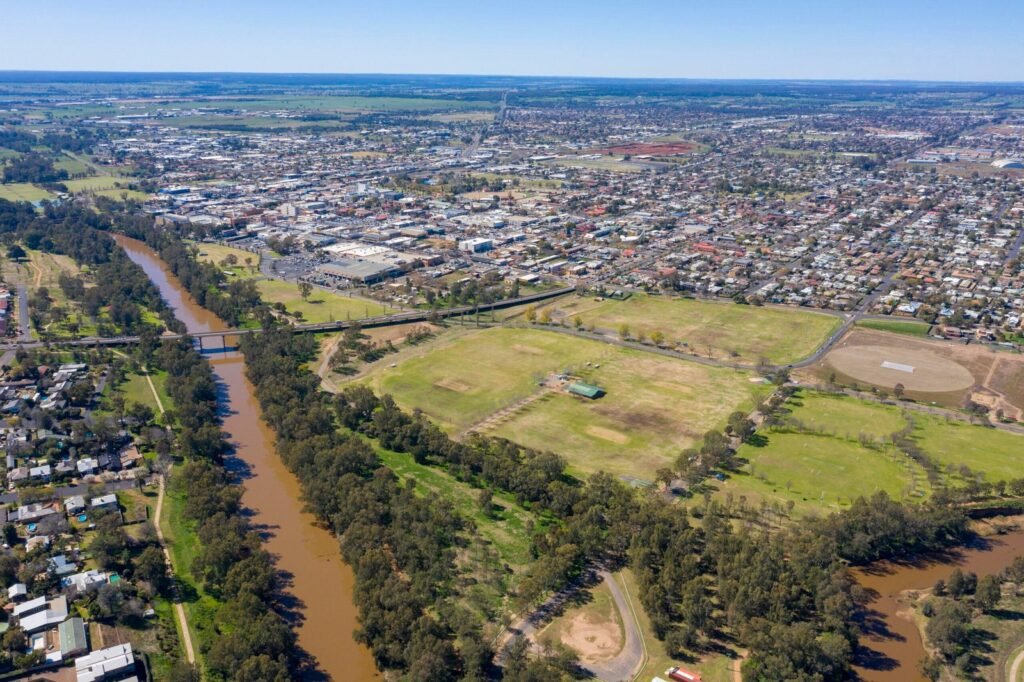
<point x="992" y="452"/>
<point x="654" y="408"/>
<point x="919" y="329"/>
<point x="845" y="417"/>
<point x="136" y="389"/>
<point x="216" y="253"/>
<point x="723" y="330"/>
<point x="800" y="475"/>
<point x="95" y="183"/>
<point x="200" y="607"/>
<point x="23" y="191"/>
<point x="74" y="165"/>
<point x="322" y="306"/>
<point x="824" y="471"/>
<point x="460" y="380"/>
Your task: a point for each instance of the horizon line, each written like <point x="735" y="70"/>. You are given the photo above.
<point x="695" y="79"/>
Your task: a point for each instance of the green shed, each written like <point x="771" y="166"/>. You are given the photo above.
<point x="72" y="637"/>
<point x="586" y="390"/>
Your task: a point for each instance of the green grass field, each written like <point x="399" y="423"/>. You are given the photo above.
<point x="136" y="389"/>
<point x="95" y="183"/>
<point x="23" y="191"/>
<point x="819" y="471"/>
<point x="322" y="306"/>
<point x="746" y="333"/>
<point x="845" y="417"/>
<point x="462" y="379"/>
<point x="995" y="453"/>
<point x="654" y="407"/>
<point x="897" y="327"/>
<point x="216" y="253"/>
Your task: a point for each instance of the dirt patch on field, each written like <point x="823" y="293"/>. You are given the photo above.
<point x="995" y="375"/>
<point x="607" y="434"/>
<point x="634" y="419"/>
<point x="916" y="369"/>
<point x="529" y="350"/>
<point x="592" y="641"/>
<point x="453" y="385"/>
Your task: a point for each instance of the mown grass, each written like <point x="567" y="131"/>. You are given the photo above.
<point x="216" y="253"/>
<point x="322" y="306"/>
<point x="919" y="329"/>
<point x="821" y="471"/>
<point x="183" y="542"/>
<point x="995" y="453"/>
<point x="654" y="407"/>
<point x="844" y="416"/>
<point x="722" y="330"/>
<point x="24" y="191"/>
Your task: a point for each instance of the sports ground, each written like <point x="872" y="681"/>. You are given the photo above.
<point x="489" y="380"/>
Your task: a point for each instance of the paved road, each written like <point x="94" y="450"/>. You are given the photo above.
<point x="629" y="660"/>
<point x="627" y="664"/>
<point x="24" y="323"/>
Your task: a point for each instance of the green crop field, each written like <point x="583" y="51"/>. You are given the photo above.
<point x="23" y="191"/>
<point x="818" y="471"/>
<point x="727" y="330"/>
<point x="897" y="326"/>
<point x="995" y="453"/>
<point x="654" y="406"/>
<point x="322" y="306"/>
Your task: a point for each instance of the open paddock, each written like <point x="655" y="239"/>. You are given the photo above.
<point x="709" y="328"/>
<point x="489" y="380"/>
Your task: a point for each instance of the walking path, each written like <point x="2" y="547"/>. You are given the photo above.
<point x="179" y="609"/>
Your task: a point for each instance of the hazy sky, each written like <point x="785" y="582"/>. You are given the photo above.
<point x="890" y="39"/>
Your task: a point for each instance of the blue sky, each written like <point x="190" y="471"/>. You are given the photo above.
<point x="894" y="39"/>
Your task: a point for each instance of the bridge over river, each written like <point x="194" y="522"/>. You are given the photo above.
<point x="341" y="325"/>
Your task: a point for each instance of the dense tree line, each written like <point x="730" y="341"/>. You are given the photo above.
<point x="121" y="287"/>
<point x="33" y="167"/>
<point x="250" y="640"/>
<point x="234" y="302"/>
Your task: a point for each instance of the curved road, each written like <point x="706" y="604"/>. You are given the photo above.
<point x="1015" y="668"/>
<point x="625" y="665"/>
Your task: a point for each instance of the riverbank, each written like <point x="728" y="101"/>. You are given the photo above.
<point x="894" y="645"/>
<point x="319" y="585"/>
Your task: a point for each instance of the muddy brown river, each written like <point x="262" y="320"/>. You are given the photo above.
<point x="897" y="648"/>
<point x="320" y="583"/>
